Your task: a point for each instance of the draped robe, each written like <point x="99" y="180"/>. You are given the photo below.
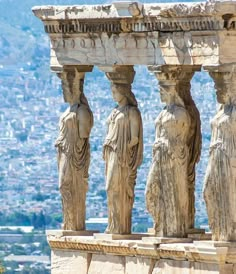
<point x="73" y="164"/>
<point x="220" y="181"/>
<point x="121" y="168"/>
<point x="167" y="184"/>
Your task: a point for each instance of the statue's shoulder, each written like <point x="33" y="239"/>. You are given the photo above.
<point x="83" y="108"/>
<point x="133" y="110"/>
<point x="134" y="114"/>
<point x="180" y="113"/>
<point x="83" y="111"/>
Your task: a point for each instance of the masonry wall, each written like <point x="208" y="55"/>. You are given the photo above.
<point x="74" y="262"/>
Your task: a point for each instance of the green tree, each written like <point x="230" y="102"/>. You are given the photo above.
<point x="18" y="250"/>
<point x="38" y="220"/>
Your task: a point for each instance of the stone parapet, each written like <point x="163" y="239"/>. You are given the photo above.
<point x="83" y="254"/>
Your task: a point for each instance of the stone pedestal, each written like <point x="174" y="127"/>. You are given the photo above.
<point x="86" y="255"/>
<point x="105" y="236"/>
<point x="63" y="233"/>
<point x="165" y="240"/>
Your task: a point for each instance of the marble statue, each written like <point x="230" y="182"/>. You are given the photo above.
<point x="194" y="143"/>
<point x="220" y="180"/>
<point x="167" y="190"/>
<point x="74" y="150"/>
<point x="122" y="152"/>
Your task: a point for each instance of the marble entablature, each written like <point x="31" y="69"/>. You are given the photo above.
<point x="144" y="34"/>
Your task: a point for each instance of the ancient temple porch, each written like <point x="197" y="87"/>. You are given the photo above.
<point x="174" y="41"/>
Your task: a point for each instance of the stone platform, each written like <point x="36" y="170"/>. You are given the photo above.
<point x="87" y="255"/>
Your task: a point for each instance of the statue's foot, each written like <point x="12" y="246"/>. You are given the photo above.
<point x="107" y="231"/>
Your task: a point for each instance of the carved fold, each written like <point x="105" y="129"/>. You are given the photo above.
<point x="122" y="150"/>
<point x="73" y="148"/>
<point x="171" y="180"/>
<point x="220" y="180"/>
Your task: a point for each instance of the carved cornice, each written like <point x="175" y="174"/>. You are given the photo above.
<point x="199" y="251"/>
<point x="131" y="33"/>
<point x="122" y="10"/>
<point x="153" y="17"/>
<point x="125" y="248"/>
<point x="186" y="9"/>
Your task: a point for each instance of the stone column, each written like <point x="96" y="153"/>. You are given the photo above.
<point x="171" y="181"/>
<point x="73" y="147"/>
<point x="122" y="150"/>
<point x="220" y="180"/>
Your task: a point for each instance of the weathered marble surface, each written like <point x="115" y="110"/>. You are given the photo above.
<point x="122" y="152"/>
<point x="171" y="180"/>
<point x="74" y="150"/>
<point x="220" y="180"/>
<point x="69" y="262"/>
<point x="131" y="33"/>
<point x="167" y="180"/>
<point x="106" y="264"/>
<point x="88" y="255"/>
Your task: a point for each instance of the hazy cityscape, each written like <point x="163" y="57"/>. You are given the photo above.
<point x="31" y="103"/>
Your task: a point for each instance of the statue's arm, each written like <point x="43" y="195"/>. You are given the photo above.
<point x="85" y="122"/>
<point x="135" y="120"/>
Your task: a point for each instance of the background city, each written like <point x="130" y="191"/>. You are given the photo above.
<point x="31" y="103"/>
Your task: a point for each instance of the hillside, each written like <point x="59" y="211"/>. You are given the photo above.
<point x="31" y="104"/>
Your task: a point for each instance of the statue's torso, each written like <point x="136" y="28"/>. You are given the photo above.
<point x="118" y="127"/>
<point x="224" y="132"/>
<point x="169" y="127"/>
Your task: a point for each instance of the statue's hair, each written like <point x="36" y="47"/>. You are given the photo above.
<point x="178" y="100"/>
<point x="125" y="89"/>
<point x="74" y="75"/>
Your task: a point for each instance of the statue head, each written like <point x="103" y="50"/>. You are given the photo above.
<point x="224" y="86"/>
<point x="168" y="93"/>
<point x="121" y="92"/>
<point x="222" y="93"/>
<point x="226" y="92"/>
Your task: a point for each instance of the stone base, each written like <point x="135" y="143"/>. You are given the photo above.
<point x="165" y="240"/>
<point x="106" y="236"/>
<point x="62" y="233"/>
<point x="151" y="230"/>
<point x="86" y="255"/>
<point x="196" y="231"/>
<point x="200" y="236"/>
<point x="69" y="262"/>
<point x="192" y="233"/>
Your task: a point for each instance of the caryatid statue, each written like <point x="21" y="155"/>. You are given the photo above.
<point x="170" y="183"/>
<point x="74" y="149"/>
<point x="122" y="152"/>
<point x="220" y="180"/>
